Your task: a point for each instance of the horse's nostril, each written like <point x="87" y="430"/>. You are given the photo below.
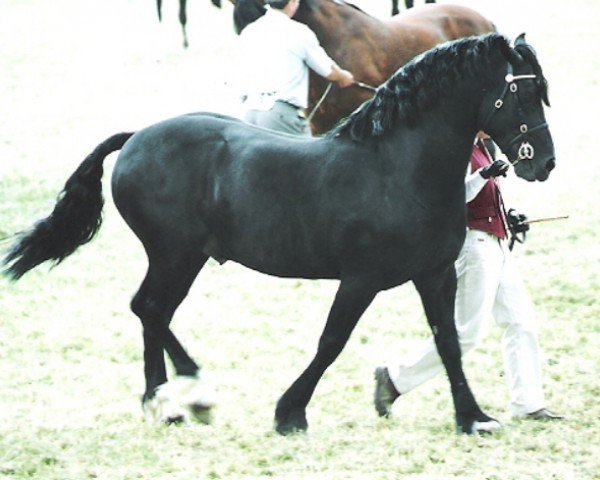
<point x="550" y="164"/>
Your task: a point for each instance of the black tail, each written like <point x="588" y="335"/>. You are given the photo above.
<point x="159" y="9"/>
<point x="76" y="217"/>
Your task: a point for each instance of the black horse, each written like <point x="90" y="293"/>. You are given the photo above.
<point x="408" y="3"/>
<point x="377" y="202"/>
<point x="182" y="16"/>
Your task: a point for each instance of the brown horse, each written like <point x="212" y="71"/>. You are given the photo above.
<point x="370" y="48"/>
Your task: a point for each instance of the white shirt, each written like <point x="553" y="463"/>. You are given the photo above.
<point x="474" y="183"/>
<point x="276" y="52"/>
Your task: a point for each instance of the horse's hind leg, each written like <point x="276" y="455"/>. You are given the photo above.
<point x="352" y="299"/>
<point x="183" y="21"/>
<point x="438" y="295"/>
<point x="166" y="284"/>
<point x="189" y="390"/>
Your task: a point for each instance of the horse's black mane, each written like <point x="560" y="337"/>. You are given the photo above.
<point x="421" y="82"/>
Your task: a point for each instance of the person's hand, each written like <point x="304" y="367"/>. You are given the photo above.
<point x="495" y="169"/>
<point x="517" y="222"/>
<point x="346" y="80"/>
<point x="342" y="77"/>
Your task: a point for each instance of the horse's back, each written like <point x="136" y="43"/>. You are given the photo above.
<point x="226" y="187"/>
<point x="444" y="22"/>
<point x="164" y="166"/>
<point x="159" y="150"/>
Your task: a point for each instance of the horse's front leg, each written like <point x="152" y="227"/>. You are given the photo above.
<point x="438" y="294"/>
<point x="351" y="300"/>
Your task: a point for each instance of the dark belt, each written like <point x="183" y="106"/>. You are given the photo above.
<point x="299" y="110"/>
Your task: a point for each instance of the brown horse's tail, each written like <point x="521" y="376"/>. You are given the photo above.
<point x="75" y="220"/>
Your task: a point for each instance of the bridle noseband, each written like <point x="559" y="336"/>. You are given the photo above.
<point x="526" y="150"/>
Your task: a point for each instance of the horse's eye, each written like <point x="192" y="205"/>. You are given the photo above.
<point x="530" y="96"/>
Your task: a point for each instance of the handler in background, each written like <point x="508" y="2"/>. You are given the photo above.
<point x="278" y="52"/>
<point x="487" y="283"/>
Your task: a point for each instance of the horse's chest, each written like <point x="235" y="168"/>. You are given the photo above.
<point x="423" y="241"/>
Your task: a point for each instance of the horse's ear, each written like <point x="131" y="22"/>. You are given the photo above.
<point x="508" y="51"/>
<point x="527" y="53"/>
<point x="520" y="40"/>
<point x="511" y="52"/>
<point x="520" y="46"/>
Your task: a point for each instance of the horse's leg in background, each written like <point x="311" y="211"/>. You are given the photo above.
<point x="166" y="284"/>
<point x="395" y="10"/>
<point x="351" y="300"/>
<point x="438" y="294"/>
<point x="183" y="21"/>
<point x="159" y="9"/>
<point x="409" y="4"/>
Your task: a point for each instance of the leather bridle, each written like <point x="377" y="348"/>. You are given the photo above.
<point x="526" y="150"/>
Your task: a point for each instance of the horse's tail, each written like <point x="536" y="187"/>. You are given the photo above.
<point x="76" y="217"/>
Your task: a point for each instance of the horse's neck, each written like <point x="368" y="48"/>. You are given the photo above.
<point x="440" y="144"/>
<point x="335" y="24"/>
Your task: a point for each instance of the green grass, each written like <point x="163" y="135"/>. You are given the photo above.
<point x="71" y="371"/>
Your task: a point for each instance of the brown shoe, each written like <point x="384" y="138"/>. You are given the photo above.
<point x="543" y="414"/>
<point x="385" y="392"/>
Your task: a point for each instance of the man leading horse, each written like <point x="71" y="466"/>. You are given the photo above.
<point x="279" y="51"/>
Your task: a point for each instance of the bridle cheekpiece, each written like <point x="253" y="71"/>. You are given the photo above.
<point x="526" y="150"/>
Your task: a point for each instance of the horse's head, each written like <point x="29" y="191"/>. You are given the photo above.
<point x="513" y="114"/>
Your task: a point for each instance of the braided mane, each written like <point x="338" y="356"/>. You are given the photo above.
<point x="421" y="83"/>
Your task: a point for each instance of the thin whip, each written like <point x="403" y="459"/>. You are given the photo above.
<point x="366" y="86"/>
<point x="314" y="110"/>
<point x="326" y="92"/>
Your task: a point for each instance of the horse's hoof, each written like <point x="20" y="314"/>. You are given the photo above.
<point x="486" y="428"/>
<point x="287" y="429"/>
<point x="175" y="420"/>
<point x="292" y="422"/>
<point x="181" y="400"/>
<point x="158" y="410"/>
<point x="201" y="413"/>
<point x="481" y="426"/>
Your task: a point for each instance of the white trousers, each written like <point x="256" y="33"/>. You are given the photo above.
<point x="488" y="283"/>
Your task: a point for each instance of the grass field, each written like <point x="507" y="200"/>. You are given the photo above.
<point x="71" y="74"/>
